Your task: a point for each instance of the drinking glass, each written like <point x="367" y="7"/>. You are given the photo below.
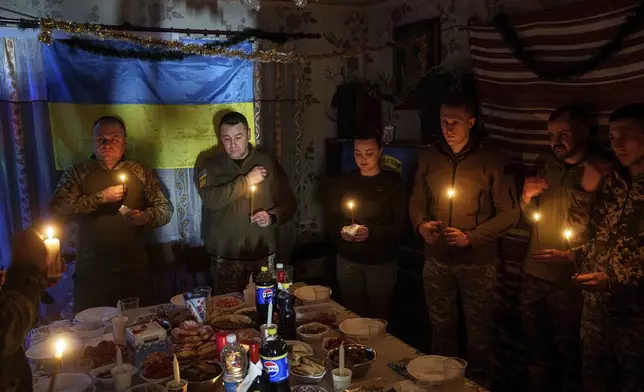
<point x="130" y="303"/>
<point x="321" y="293"/>
<point x="454" y="372"/>
<point x="206" y="291"/>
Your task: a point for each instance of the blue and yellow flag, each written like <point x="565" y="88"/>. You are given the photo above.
<point x="168" y="107"/>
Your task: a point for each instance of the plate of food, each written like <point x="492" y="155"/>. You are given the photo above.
<point x="102" y="376"/>
<point x="331" y="342"/>
<point x="231" y="322"/>
<point x="312" y="332"/>
<point x="157" y="368"/>
<point x="250" y="312"/>
<point x="191" y="341"/>
<point x="104" y="353"/>
<point x="357" y="357"/>
<point x="202" y="375"/>
<point x="428" y="369"/>
<point x="307" y="388"/>
<point x="303" y="365"/>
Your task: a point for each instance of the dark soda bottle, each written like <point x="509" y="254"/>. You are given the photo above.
<point x="274" y="355"/>
<point x="264" y="293"/>
<point x="287" y="327"/>
<point x="260" y="383"/>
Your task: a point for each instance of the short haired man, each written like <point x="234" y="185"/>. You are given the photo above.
<point x="238" y="238"/>
<point x="463" y="200"/>
<point x="612" y="262"/>
<point x="550" y="303"/>
<point x="111" y="260"/>
<point x="366" y="260"/>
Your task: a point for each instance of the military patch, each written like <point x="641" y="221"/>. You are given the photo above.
<point x="202" y="179"/>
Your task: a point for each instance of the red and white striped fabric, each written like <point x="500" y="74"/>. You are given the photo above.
<point x="515" y="102"/>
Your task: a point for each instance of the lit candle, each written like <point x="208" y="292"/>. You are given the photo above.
<point x="351" y="204"/>
<point x="122" y="176"/>
<point x="536" y="217"/>
<point x="175" y="369"/>
<point x="253" y="188"/>
<point x="53" y="254"/>
<point x="568" y="235"/>
<point x="450" y="194"/>
<point x="60" y="348"/>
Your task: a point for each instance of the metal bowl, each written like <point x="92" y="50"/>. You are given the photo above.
<point x="204" y="386"/>
<point x="359" y="370"/>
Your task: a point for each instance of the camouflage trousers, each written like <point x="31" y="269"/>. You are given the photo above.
<point x="551" y="315"/>
<point x="475" y="285"/>
<point x="231" y="276"/>
<point x="612" y="350"/>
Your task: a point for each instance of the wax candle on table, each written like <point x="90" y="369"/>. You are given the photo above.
<point x="253" y="188"/>
<point x="351" y="204"/>
<point x="119" y="356"/>
<point x="450" y="194"/>
<point x="269" y="318"/>
<point x="175" y="369"/>
<point x="341" y="359"/>
<point x="60" y="348"/>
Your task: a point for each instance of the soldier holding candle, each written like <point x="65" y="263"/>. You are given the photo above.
<point x="237" y="238"/>
<point x="111" y="260"/>
<point x="550" y="303"/>
<point x="467" y="172"/>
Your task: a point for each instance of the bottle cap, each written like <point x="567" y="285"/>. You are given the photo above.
<point x="272" y="331"/>
<point x="264" y="269"/>
<point x="231" y="338"/>
<point x="254" y="352"/>
<point x="286" y="285"/>
<point x="280" y="266"/>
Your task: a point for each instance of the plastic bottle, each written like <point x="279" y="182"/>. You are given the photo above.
<point x="234" y="362"/>
<point x="274" y="355"/>
<point x="280" y="275"/>
<point x="260" y="383"/>
<point x="264" y="293"/>
<point x="286" y="300"/>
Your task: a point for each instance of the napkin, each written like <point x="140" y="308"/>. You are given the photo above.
<point x="254" y="370"/>
<point x="124" y="210"/>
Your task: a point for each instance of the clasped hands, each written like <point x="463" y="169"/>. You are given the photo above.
<point x="431" y="232"/>
<point x="114" y="194"/>
<point x="593" y="281"/>
<point x="361" y="234"/>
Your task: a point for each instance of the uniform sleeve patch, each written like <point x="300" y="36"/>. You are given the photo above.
<point x="203" y="176"/>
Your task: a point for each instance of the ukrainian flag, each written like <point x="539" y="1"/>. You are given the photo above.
<point x="168" y="107"/>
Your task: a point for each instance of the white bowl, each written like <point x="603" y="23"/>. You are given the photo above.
<point x="306" y="294"/>
<point x="107" y="383"/>
<point x="427" y="369"/>
<point x="312" y="338"/>
<point x="99" y="314"/>
<point x="67" y="382"/>
<point x="359" y="328"/>
<point x="82" y="331"/>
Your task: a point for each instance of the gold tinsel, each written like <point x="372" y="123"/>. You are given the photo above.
<point x="48" y="25"/>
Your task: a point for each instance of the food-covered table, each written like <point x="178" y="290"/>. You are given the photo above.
<point x="391" y="353"/>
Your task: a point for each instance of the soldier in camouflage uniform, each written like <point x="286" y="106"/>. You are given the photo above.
<point x="461" y="238"/>
<point x="612" y="264"/>
<point x="111" y="260"/>
<point x="19" y="300"/>
<point x="550" y="304"/>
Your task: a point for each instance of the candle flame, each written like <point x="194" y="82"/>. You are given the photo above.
<point x="60" y="347"/>
<point x="350" y="204"/>
<point x="536" y="216"/>
<point x="567" y="234"/>
<point x="253" y="188"/>
<point x="50" y="232"/>
<point x="451" y="192"/>
<point x="123" y="178"/>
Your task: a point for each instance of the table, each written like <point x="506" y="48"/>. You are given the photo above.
<point x="389" y="349"/>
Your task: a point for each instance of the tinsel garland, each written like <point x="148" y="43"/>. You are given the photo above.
<point x="632" y="23"/>
<point x="157" y="49"/>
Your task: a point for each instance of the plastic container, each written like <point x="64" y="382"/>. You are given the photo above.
<point x="234" y="363"/>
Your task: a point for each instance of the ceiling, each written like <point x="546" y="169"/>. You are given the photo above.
<point x="339" y="2"/>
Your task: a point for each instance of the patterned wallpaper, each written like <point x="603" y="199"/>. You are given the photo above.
<point x="341" y="27"/>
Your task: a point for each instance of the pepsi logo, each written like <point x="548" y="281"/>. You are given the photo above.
<point x="272" y="368"/>
<point x="268" y="293"/>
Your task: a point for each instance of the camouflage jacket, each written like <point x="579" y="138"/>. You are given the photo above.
<point x="19" y="301"/>
<point x="617" y="247"/>
<point x="72" y="199"/>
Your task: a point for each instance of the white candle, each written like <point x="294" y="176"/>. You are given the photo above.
<point x="351" y="204"/>
<point x="253" y="188"/>
<point x="342" y="359"/>
<point x="175" y="368"/>
<point x="119" y="357"/>
<point x="60" y="348"/>
<point x="52" y="245"/>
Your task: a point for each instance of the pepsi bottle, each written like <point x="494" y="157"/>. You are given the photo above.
<point x="286" y="300"/>
<point x="274" y="355"/>
<point x="264" y="293"/>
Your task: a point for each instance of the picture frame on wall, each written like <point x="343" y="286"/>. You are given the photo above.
<point x="407" y="64"/>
